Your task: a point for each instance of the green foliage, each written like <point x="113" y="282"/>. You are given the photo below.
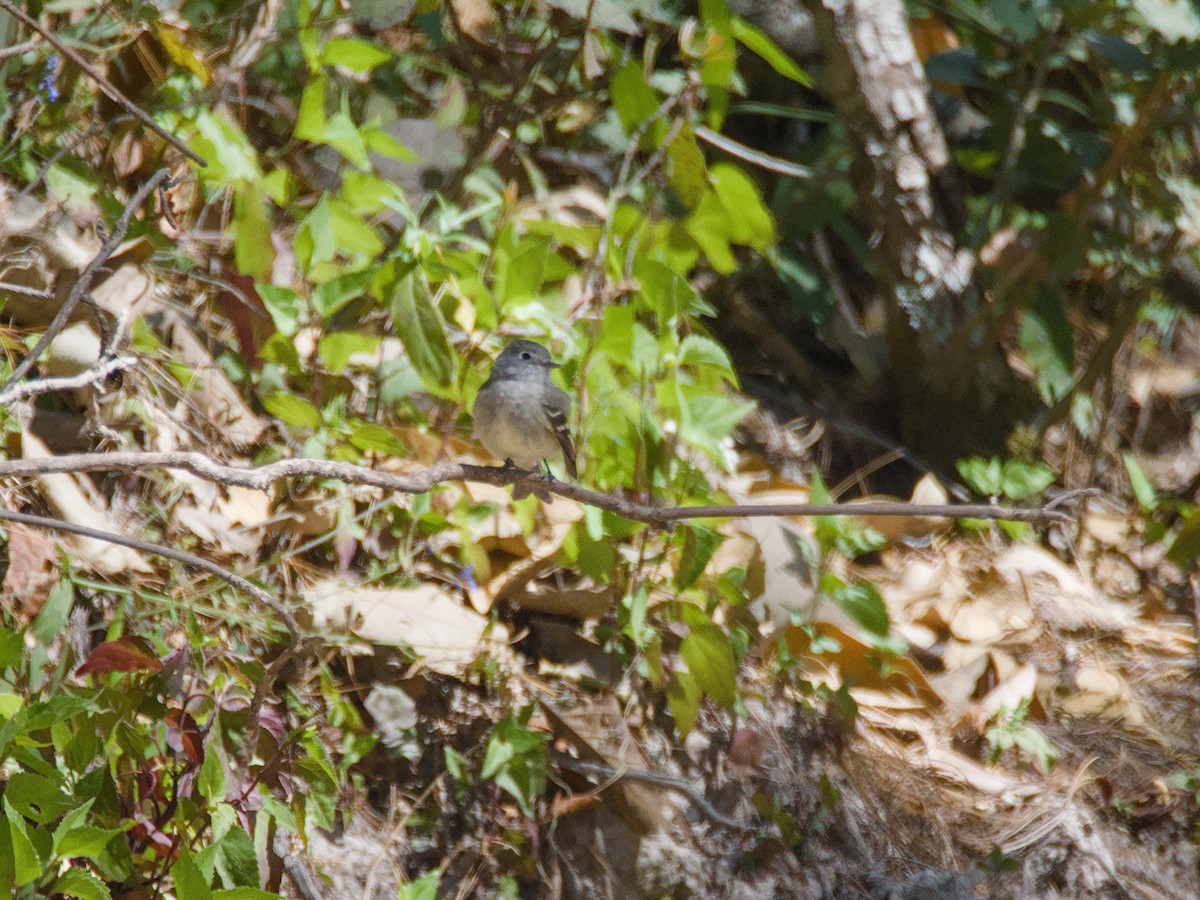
<point x="1011" y="730"/>
<point x="1013" y="479"/>
<point x="516" y="759"/>
<point x="842" y="534"/>
<point x="108" y="772"/>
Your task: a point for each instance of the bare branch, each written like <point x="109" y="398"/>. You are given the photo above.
<point x="100" y="372"/>
<point x="105" y="85"/>
<point x="262" y="477"/>
<point x="188" y="559"/>
<point x="82" y="284"/>
<point x="750" y="155"/>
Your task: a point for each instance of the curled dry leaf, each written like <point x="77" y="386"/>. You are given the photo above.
<point x="445" y="636"/>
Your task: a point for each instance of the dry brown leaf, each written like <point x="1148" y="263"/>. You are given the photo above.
<point x="311" y="514"/>
<point x="927" y="491"/>
<point x="127" y="289"/>
<point x="219" y="400"/>
<point x="990" y="617"/>
<point x="855" y="662"/>
<point x="31" y="572"/>
<point x="1099" y="690"/>
<point x="68" y="497"/>
<point x="75" y="349"/>
<point x="445" y="635"/>
<point x="1060" y="596"/>
<point x="476" y="18"/>
<point x="244" y="506"/>
<point x="786" y="550"/>
<point x="598" y="731"/>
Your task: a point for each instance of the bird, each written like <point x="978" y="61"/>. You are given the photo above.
<point x="521" y="415"/>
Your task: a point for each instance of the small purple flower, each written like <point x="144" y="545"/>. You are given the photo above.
<point x="49" y="83"/>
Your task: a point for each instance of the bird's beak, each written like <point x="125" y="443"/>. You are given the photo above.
<point x="553" y="365"/>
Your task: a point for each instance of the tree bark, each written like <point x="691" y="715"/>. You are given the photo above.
<point x="902" y="165"/>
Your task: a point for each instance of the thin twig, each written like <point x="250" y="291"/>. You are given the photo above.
<point x="613" y="774"/>
<point x="100" y="372"/>
<point x="750" y="155"/>
<point x="80" y="289"/>
<point x="188" y="559"/>
<point x="23" y="291"/>
<point x="105" y="85"/>
<point x="1002" y="191"/>
<point x="262" y="477"/>
<point x="17" y="49"/>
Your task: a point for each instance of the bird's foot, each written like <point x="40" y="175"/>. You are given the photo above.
<point x="537" y="483"/>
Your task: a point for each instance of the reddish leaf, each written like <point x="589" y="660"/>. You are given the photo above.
<point x="184" y="737"/>
<point x="127" y="654"/>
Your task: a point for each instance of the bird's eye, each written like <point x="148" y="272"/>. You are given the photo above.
<point x="526" y="355"/>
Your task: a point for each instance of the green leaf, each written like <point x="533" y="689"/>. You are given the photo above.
<point x="26" y="864"/>
<point x="81" y="884"/>
<point x="1048" y="342"/>
<point x="285" y="306"/>
<point x="687" y="172"/>
<point x="1023" y="479"/>
<point x="985" y="476"/>
<point x="12" y="647"/>
<point x="697" y="350"/>
<point x="372" y="438"/>
<point x="231" y="157"/>
<point x="421" y="331"/>
<point x="635" y="102"/>
<point x="10" y="704"/>
<point x="245" y="893"/>
<point x="51" y="621"/>
<point x="1139" y="481"/>
<point x="293" y="410"/>
<point x="1185" y="547"/>
<point x="383" y="143"/>
<point x="423" y="888"/>
<point x="861" y="601"/>
<point x="753" y="224"/>
<point x="342" y="134"/>
<point x="516" y="759"/>
<point x="707" y="418"/>
<point x="310" y="118"/>
<point x="86" y="840"/>
<point x="684" y="696"/>
<point x="336" y="349"/>
<point x="253" y="251"/>
<point x="708" y="653"/>
<point x="190" y="883"/>
<point x="37" y="797"/>
<point x="331" y="296"/>
<point x="699" y="545"/>
<point x="759" y="43"/>
<point x="354" y="54"/>
<point x="236" y="861"/>
<point x="210" y="781"/>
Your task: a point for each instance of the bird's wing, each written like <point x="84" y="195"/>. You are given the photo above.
<point x="556" y="406"/>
